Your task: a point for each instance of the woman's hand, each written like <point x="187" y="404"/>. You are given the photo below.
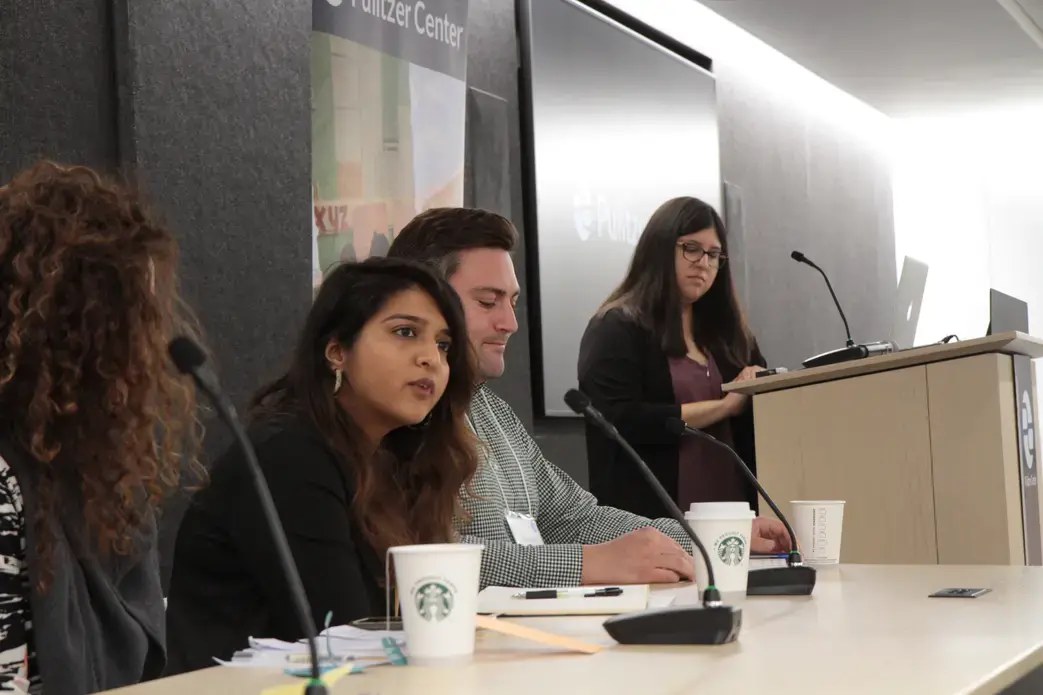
<point x="706" y="413"/>
<point x="748" y="374"/>
<point x="735" y="403"/>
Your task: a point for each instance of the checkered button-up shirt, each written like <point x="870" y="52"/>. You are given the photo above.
<point x="515" y="477"/>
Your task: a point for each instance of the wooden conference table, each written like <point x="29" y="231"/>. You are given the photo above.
<point x="868" y="629"/>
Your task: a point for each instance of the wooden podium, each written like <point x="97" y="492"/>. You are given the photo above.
<point x="933" y="449"/>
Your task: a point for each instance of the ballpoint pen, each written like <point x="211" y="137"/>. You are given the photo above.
<point x="569" y="593"/>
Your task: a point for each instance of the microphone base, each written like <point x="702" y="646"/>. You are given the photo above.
<point x="315" y="689"/>
<point x="682" y="625"/>
<point x="844" y="354"/>
<point x="781" y="581"/>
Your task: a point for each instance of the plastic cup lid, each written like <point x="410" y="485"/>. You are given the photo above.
<point x="435" y="548"/>
<point x="720" y="510"/>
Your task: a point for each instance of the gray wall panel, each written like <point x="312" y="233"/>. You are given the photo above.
<point x="57" y="90"/>
<point x="219" y="119"/>
<point x="216" y="121"/>
<point x="807" y="183"/>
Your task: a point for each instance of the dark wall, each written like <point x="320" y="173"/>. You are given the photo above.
<point x="215" y="119"/>
<point x="217" y="124"/>
<point x="212" y="117"/>
<point x="57" y="84"/>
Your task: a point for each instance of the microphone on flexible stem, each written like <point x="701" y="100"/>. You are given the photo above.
<point x="801" y="258"/>
<point x="796" y="579"/>
<point x="710" y="623"/>
<point x="845" y="354"/>
<point x="190" y="360"/>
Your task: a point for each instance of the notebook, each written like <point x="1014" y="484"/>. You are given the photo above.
<point x="499" y="600"/>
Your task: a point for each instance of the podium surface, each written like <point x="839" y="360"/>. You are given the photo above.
<point x="865" y="631"/>
<point x="933" y="449"/>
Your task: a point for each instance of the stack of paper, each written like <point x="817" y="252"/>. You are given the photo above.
<point x="337" y="646"/>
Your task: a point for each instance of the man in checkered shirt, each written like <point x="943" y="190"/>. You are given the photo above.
<point x="538" y="526"/>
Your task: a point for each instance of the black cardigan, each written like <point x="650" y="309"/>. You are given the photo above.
<point x="226" y="583"/>
<point x="626" y="373"/>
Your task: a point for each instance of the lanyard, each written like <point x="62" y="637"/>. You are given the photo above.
<point x="517" y="462"/>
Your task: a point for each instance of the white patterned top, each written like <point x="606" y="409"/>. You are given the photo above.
<point x="17" y="657"/>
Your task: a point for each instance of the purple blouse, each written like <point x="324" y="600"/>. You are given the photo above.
<point x="704" y="472"/>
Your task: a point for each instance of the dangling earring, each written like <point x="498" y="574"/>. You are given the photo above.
<point x="338" y="381"/>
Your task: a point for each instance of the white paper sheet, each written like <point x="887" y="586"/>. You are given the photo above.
<point x="344" y="643"/>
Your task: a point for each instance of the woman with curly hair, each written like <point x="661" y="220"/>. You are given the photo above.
<point x="365" y="445"/>
<point x="94" y="426"/>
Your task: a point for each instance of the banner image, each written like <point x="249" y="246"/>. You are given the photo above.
<point x="388" y="110"/>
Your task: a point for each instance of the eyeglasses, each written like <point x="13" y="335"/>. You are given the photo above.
<point x="694" y="253"/>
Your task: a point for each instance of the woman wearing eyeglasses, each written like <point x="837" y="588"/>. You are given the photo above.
<point x="660" y="347"/>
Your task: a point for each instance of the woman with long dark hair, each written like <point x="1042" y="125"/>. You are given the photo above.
<point x="365" y="445"/>
<point x="660" y="347"/>
<point x="95" y="428"/>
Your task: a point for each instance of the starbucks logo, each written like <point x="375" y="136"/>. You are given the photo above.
<point x="434" y="601"/>
<point x="731" y="549"/>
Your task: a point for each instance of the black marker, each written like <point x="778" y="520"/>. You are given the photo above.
<point x="570" y="593"/>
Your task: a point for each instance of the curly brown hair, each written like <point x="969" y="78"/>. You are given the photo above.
<point x="88" y="302"/>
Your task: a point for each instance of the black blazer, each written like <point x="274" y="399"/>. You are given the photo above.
<point x="226" y="584"/>
<point x="626" y="373"/>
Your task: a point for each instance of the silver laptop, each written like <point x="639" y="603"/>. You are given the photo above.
<point x="908" y="301"/>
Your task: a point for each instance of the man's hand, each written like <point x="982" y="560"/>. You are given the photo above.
<point x="644" y="556"/>
<point x="769" y="536"/>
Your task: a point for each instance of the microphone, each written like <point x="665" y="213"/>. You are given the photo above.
<point x="796" y="579"/>
<point x="710" y="623"/>
<point x="801" y="258"/>
<point x="845" y="354"/>
<point x="190" y="360"/>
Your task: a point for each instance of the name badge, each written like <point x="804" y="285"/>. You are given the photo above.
<point x="523" y="528"/>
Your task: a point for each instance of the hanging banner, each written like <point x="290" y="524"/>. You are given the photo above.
<point x="388" y="109"/>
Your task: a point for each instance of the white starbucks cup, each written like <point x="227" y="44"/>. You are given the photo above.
<point x="725" y="529"/>
<point x="438" y="594"/>
<point x="819" y="526"/>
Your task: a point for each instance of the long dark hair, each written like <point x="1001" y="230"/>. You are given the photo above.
<point x="408" y="492"/>
<point x="650" y="296"/>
